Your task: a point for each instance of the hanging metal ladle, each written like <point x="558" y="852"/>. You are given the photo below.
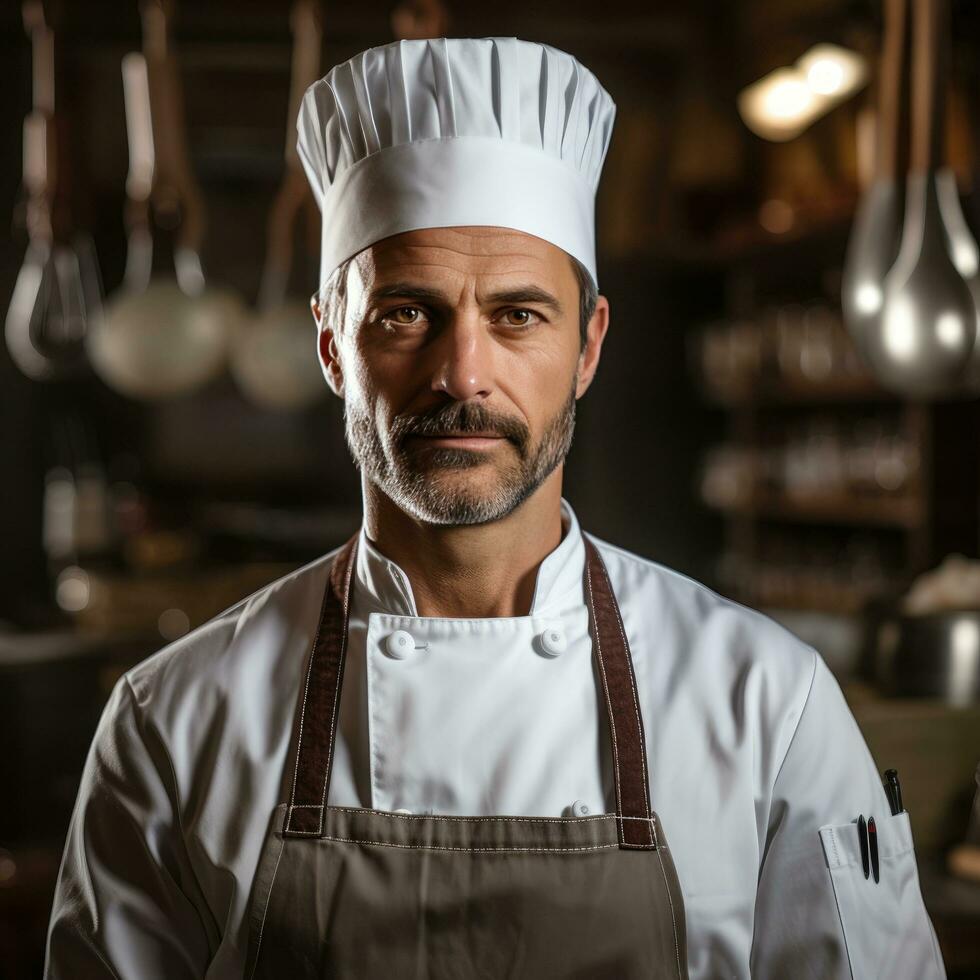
<point x="162" y="335"/>
<point x="923" y="341"/>
<point x="874" y="238"/>
<point x="962" y="248"/>
<point x="58" y="290"/>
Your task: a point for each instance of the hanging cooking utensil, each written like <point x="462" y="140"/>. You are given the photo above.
<point x="294" y="194"/>
<point x="274" y="361"/>
<point x="165" y="335"/>
<point x="139" y="180"/>
<point x="962" y="247"/>
<point x="924" y="338"/>
<point x="873" y="243"/>
<point x="58" y="288"/>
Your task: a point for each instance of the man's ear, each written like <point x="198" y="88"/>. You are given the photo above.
<point x="327" y="352"/>
<point x="595" y="333"/>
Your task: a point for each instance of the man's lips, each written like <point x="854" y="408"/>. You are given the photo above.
<point x="461" y="440"/>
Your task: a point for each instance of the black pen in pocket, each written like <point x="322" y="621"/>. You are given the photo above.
<point x="873" y="846"/>
<point x="863" y="842"/>
<point x="893" y="790"/>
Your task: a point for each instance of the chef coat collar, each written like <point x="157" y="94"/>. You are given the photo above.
<point x="382" y="586"/>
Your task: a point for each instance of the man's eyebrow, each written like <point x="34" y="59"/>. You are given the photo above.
<point x="509" y="297"/>
<point x="525" y="294"/>
<point x="407" y="290"/>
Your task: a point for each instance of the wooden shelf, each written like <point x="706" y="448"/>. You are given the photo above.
<point x="766" y="410"/>
<point x="843" y="509"/>
<point x="749" y="242"/>
<point x="838" y="389"/>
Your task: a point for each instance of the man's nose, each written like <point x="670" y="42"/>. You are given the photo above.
<point x="464" y="359"/>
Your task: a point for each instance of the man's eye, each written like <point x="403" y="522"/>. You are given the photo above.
<point x="518" y="318"/>
<point x="405" y="316"/>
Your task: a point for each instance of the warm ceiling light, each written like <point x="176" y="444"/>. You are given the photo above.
<point x="786" y="101"/>
<point x="825" y="77"/>
<point x="778" y="106"/>
<point x="833" y="71"/>
<point x="787" y="98"/>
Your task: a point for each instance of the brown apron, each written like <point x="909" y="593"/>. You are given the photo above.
<point x="350" y="892"/>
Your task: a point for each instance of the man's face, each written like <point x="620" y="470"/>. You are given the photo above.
<point x="460" y="362"/>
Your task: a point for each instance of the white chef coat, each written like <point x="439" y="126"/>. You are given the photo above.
<point x="757" y="768"/>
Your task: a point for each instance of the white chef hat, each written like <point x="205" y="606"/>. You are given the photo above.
<point x="455" y="131"/>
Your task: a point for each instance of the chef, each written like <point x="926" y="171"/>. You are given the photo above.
<point x="476" y="741"/>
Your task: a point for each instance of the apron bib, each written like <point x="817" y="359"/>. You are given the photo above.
<point x="360" y="894"/>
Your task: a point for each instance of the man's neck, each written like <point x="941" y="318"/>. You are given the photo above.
<point x="473" y="571"/>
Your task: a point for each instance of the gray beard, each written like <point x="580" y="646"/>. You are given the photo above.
<point x="411" y="479"/>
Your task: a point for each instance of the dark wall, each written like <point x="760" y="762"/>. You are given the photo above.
<point x="21" y="564"/>
<point x="642" y="427"/>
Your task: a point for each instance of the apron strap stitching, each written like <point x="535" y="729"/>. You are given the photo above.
<point x="337" y="583"/>
<point x="447" y="847"/>
<point x="632" y="680"/>
<point x="494" y="818"/>
<point x="306" y="693"/>
<point x="593" y="558"/>
<point x="451" y="818"/>
<point x="605" y="688"/>
<point x="350" y="558"/>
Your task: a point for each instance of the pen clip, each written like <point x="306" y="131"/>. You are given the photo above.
<point x="863" y="843"/>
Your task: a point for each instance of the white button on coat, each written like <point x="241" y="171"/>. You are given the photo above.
<point x="554" y="642"/>
<point x="580" y="809"/>
<point x="399" y="644"/>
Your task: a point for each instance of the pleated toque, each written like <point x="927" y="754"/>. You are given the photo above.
<point x="455" y="131"/>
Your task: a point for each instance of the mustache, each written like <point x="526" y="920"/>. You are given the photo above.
<point x="457" y="417"/>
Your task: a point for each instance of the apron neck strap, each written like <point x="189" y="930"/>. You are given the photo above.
<point x="612" y="654"/>
<point x="320" y="702"/>
<point x="320" y="705"/>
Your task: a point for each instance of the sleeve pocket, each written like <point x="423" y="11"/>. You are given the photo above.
<point x="886" y="928"/>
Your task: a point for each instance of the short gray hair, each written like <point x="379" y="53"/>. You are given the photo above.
<point x="588" y="296"/>
<point x="332" y="296"/>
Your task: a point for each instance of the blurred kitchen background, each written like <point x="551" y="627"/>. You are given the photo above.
<point x="787" y="406"/>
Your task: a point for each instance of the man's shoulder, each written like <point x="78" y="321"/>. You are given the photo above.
<point x="258" y="634"/>
<point x="673" y="615"/>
